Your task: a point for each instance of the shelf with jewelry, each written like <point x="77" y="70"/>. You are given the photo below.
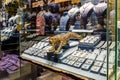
<point x="10" y="62"/>
<point x="79" y="45"/>
<point x="10" y="21"/>
<point x="9" y="35"/>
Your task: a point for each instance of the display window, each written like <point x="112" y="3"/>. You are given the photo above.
<point x="60" y="40"/>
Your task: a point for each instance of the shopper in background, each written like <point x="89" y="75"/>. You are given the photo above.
<point x="52" y="17"/>
<point x="40" y="22"/>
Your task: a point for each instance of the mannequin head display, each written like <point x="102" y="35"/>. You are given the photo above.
<point x="65" y="13"/>
<point x="89" y="24"/>
<point x="102" y="27"/>
<point x="77" y="16"/>
<point x="72" y="14"/>
<point x="86" y="11"/>
<point x="101" y="10"/>
<point x="78" y="24"/>
<point x="69" y="24"/>
<point x="73" y="11"/>
<point x="63" y="21"/>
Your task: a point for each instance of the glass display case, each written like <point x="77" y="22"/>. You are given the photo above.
<point x="72" y="42"/>
<point x="111" y="37"/>
<point x="118" y="39"/>
<point x="113" y="74"/>
<point x="74" y="39"/>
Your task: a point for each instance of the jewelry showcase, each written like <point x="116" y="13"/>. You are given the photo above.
<point x="74" y="39"/>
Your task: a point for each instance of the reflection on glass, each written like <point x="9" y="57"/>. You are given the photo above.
<point x="118" y="27"/>
<point x="111" y="38"/>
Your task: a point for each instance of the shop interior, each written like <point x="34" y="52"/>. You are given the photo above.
<point x="59" y="40"/>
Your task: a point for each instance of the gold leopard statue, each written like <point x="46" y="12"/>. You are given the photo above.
<point x="61" y="40"/>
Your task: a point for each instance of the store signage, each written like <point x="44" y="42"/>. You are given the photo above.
<point x="58" y="1"/>
<point x="38" y="3"/>
<point x="75" y="1"/>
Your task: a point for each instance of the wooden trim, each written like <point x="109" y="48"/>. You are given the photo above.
<point x="59" y="71"/>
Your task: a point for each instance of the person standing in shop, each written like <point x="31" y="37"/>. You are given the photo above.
<point x="40" y="22"/>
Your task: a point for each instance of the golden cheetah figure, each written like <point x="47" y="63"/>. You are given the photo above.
<point x="61" y="40"/>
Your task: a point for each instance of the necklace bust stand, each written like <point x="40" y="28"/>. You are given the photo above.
<point x="73" y="11"/>
<point x="63" y="21"/>
<point x="86" y="11"/>
<point x="77" y="24"/>
<point x="101" y="10"/>
<point x="63" y="24"/>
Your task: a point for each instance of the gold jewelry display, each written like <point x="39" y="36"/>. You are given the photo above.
<point x="61" y="40"/>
